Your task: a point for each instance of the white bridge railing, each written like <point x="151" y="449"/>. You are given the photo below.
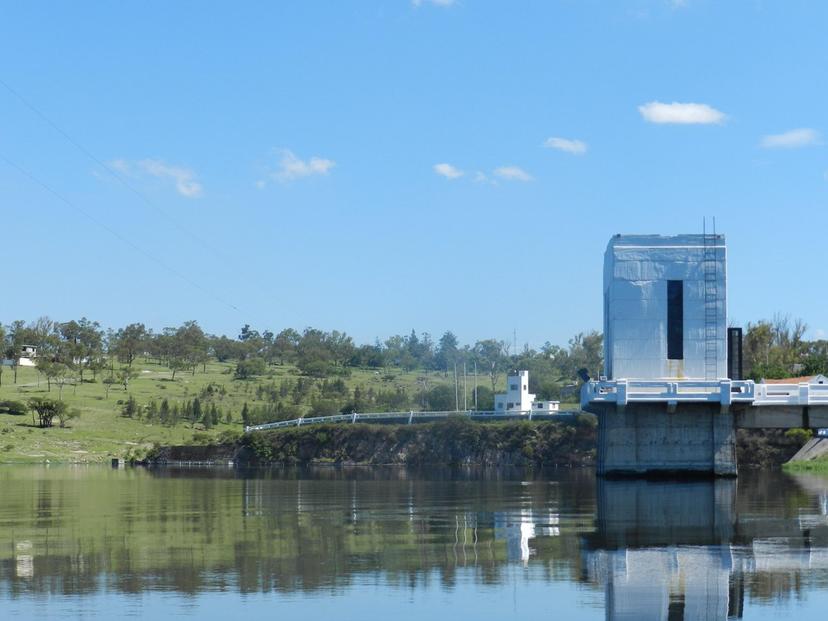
<point x="410" y="417"/>
<point x="725" y="392"/>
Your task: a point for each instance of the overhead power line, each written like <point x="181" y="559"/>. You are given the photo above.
<point x="112" y="172"/>
<point x="116" y="234"/>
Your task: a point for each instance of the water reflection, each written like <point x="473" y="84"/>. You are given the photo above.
<point x="692" y="550"/>
<point x="638" y="550"/>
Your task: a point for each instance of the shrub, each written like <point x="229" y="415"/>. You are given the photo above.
<point x="230" y="436"/>
<point x="202" y="438"/>
<point x="251" y="367"/>
<point x="799" y="435"/>
<point x="15" y="408"/>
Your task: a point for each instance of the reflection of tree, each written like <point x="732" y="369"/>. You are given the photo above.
<point x="80" y="531"/>
<point x="191" y="530"/>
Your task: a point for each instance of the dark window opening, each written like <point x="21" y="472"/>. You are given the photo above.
<point x="734" y="354"/>
<point x="675" y="319"/>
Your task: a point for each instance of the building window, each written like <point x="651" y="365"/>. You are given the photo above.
<point x="675" y="319"/>
<point x="509" y="406"/>
<point x="514" y="387"/>
<point x="500" y="405"/>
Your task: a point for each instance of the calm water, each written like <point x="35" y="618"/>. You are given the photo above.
<point x="371" y="544"/>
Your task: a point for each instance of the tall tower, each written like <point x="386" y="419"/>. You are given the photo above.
<point x="665" y="307"/>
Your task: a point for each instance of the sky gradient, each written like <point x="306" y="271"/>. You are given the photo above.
<point x="381" y="165"/>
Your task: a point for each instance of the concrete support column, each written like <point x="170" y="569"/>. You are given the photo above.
<point x="649" y="438"/>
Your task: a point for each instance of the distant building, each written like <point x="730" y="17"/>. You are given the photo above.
<point x="518" y="398"/>
<point x="28" y="353"/>
<point x="665" y="307"/>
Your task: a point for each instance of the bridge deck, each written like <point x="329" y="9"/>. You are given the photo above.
<point x="726" y="392"/>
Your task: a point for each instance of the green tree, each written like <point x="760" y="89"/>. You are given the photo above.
<point x="108" y="382"/>
<point x="129" y="342"/>
<point x="54" y="372"/>
<point x="81" y="343"/>
<point x="47" y="410"/>
<point x="125" y="375"/>
<point x="491" y="357"/>
<point x="3" y="351"/>
<point x="64" y="415"/>
<point x="18" y="336"/>
<point x="447" y="352"/>
<point x="164" y="412"/>
<point x="130" y="408"/>
<point x="285" y="345"/>
<point x="441" y="398"/>
<point x="247" y="369"/>
<point x="196" y="414"/>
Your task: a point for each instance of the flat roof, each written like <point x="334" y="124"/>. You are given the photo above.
<point x="662" y="241"/>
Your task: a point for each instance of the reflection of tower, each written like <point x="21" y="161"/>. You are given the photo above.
<point x="517" y="528"/>
<point x="252" y="500"/>
<point x="662" y="550"/>
<point x="668" y="583"/>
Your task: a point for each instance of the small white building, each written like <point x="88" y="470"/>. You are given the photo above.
<point x="665" y="307"/>
<point x="518" y="398"/>
<point x="28" y="353"/>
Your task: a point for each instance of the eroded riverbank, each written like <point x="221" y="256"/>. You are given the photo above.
<point x="453" y="442"/>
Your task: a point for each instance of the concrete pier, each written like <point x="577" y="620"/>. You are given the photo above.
<point x="654" y="438"/>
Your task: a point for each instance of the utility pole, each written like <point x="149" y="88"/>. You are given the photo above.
<point x="475" y="384"/>
<point x="456" y="394"/>
<point x="465" y="402"/>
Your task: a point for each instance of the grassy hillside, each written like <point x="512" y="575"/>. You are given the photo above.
<point x="102" y="432"/>
<point x="817" y="466"/>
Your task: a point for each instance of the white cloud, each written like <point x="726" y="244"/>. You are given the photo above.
<point x="291" y="167"/>
<point x="448" y="171"/>
<point x="681" y="113"/>
<point x="184" y="179"/>
<point x="792" y="139"/>
<point x="575" y="147"/>
<point x="443" y="3"/>
<point x="512" y="173"/>
<point x="122" y="166"/>
<point x="481" y="177"/>
<point x="819" y="333"/>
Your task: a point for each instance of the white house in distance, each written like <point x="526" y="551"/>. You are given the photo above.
<point x="665" y="307"/>
<point x="518" y="398"/>
<point x="28" y="353"/>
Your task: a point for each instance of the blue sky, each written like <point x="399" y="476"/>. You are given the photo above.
<point x="382" y="165"/>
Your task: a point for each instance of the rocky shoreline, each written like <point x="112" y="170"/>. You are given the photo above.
<point x="568" y="443"/>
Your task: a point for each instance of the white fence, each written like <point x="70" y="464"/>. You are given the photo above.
<point x="725" y="392"/>
<point x="410" y="417"/>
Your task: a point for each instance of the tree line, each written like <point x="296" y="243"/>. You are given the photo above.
<point x="67" y="352"/>
<point x="72" y="351"/>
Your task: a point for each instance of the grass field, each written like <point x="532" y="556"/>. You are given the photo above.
<point x="101" y="433"/>
<point x="817" y="466"/>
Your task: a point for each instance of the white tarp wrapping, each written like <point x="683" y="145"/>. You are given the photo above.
<point x="637" y="269"/>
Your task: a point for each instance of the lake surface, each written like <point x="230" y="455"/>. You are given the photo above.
<point x="95" y="543"/>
